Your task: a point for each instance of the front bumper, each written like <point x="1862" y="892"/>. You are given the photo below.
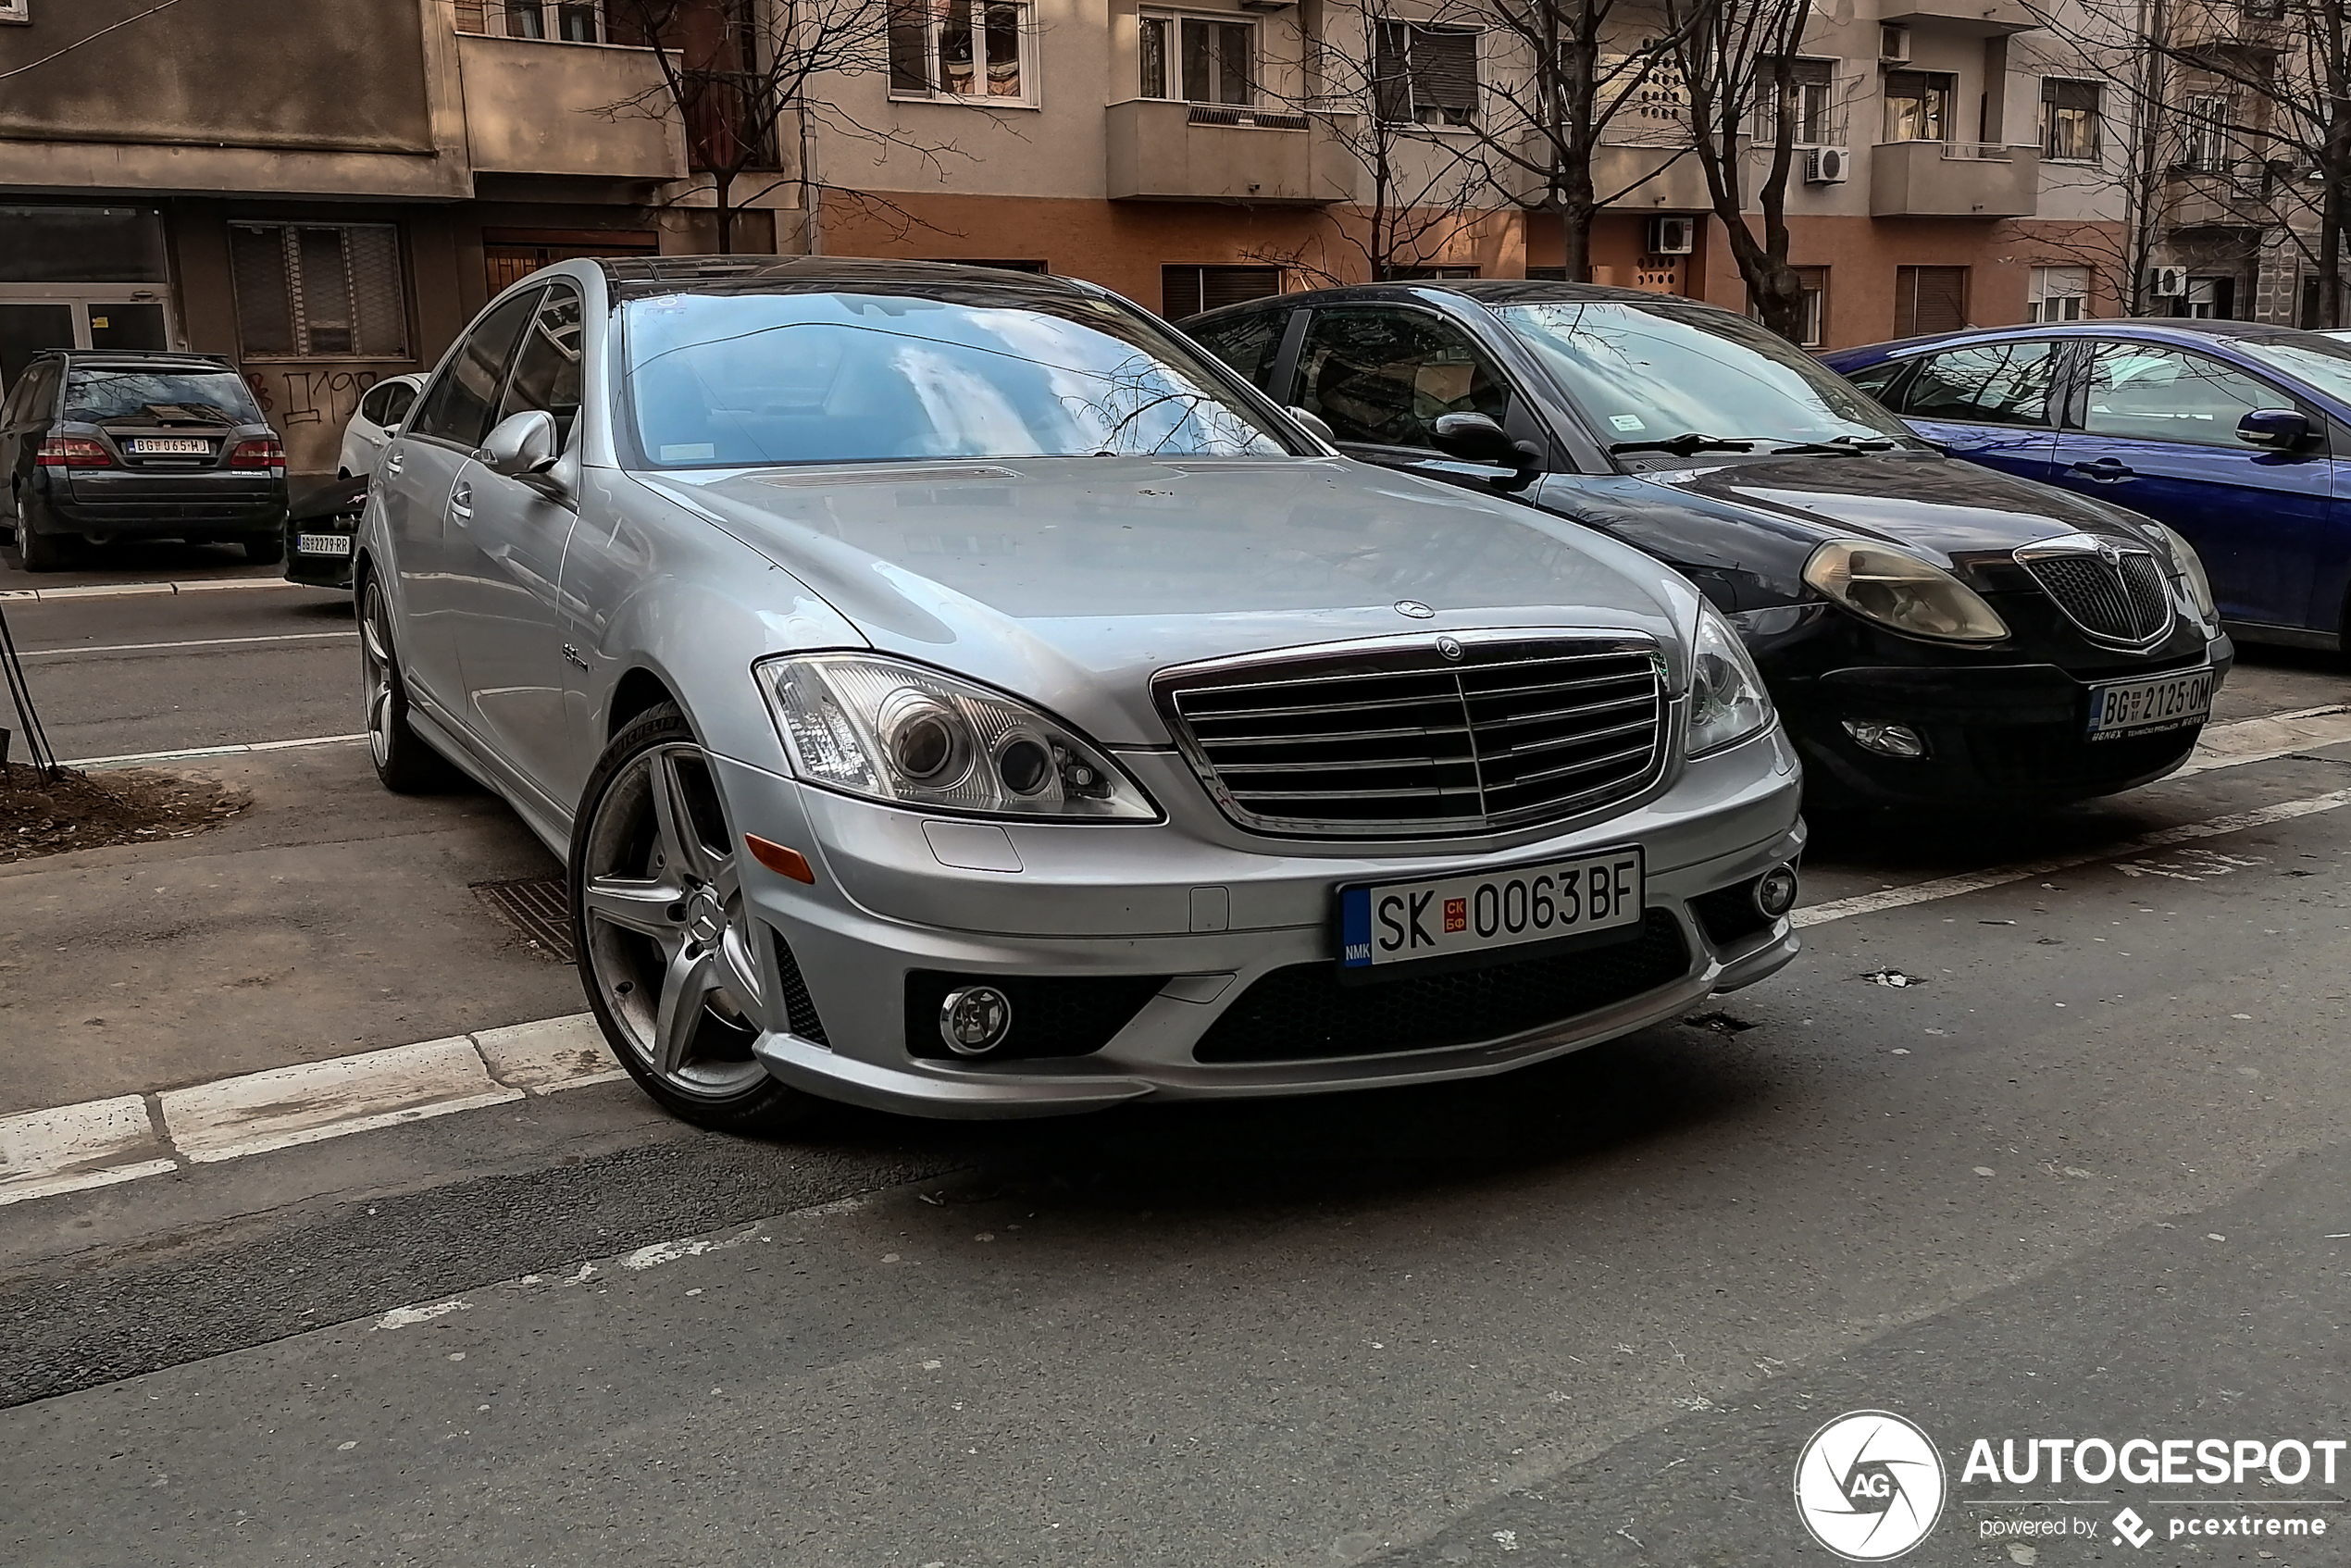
<point x="2011" y="735"/>
<point x="1198" y="907"/>
<point x="321" y="570"/>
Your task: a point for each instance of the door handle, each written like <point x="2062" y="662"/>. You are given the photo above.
<point x="461" y="503"/>
<point x="2106" y="470"/>
<point x="391" y="464"/>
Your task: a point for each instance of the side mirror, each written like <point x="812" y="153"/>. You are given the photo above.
<point x="523" y="443"/>
<point x="1315" y="425"/>
<point x="1475" y="437"/>
<point x="2280" y="430"/>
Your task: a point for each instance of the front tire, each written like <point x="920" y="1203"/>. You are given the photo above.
<point x="404" y="762"/>
<point x="668" y="948"/>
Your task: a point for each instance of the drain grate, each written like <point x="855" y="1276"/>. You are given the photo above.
<point x="540" y="911"/>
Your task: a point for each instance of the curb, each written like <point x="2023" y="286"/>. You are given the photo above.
<point x="133" y="590"/>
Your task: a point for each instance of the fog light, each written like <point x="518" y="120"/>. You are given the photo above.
<point x="1776" y="891"/>
<point x="1887" y="739"/>
<point x="974" y="1020"/>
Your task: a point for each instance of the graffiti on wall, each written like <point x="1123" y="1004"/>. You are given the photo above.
<point x="309" y="403"/>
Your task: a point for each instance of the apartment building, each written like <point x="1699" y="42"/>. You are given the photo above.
<point x="331" y="207"/>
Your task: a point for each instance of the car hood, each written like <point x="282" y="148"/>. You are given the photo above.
<point x="1069" y="581"/>
<point x="1948" y="510"/>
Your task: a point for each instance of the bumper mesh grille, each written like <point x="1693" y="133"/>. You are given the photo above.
<point x="2129" y="603"/>
<point x="1303" y="1013"/>
<point x="1396" y="739"/>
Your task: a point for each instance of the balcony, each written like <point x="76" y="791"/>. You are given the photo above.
<point x="1966" y="19"/>
<point x="530" y="109"/>
<point x="1953" y="180"/>
<point x="2237" y="195"/>
<point x="1167" y="152"/>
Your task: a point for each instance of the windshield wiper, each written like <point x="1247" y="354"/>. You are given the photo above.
<point x="1840" y="446"/>
<point x="1688" y="443"/>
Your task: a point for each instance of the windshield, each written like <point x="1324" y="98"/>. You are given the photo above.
<point x="1645" y="374"/>
<point x="2323" y="362"/>
<point x="205" y="397"/>
<point x="859" y="378"/>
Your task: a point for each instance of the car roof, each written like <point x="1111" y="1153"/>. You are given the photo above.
<point x="638" y="277"/>
<point x="1490" y="291"/>
<point x="2160" y="328"/>
<point x="136" y="359"/>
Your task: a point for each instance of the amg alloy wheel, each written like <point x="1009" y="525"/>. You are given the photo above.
<point x="667" y="951"/>
<point x="404" y="764"/>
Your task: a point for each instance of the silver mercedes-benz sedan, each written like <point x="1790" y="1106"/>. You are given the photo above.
<point x="953" y="693"/>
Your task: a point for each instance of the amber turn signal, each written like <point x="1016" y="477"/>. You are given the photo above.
<point x="775" y="858"/>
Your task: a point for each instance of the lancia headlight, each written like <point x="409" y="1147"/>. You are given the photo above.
<point x="911" y="736"/>
<point x="1894" y="588"/>
<point x="1727" y="700"/>
<point x="2186" y="567"/>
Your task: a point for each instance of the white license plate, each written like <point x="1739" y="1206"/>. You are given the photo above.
<point x="164" y="446"/>
<point x="1382" y="922"/>
<point x="2144" y="707"/>
<point x="322" y="543"/>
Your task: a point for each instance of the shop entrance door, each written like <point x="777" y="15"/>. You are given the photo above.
<point x="34" y="317"/>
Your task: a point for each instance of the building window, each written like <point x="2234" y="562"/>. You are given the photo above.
<point x="2207" y="133"/>
<point x="2209" y="299"/>
<point x="567" y="22"/>
<point x="976" y="49"/>
<point x="1187" y="291"/>
<point x="1929" y="299"/>
<point x="1811" y="86"/>
<point x="1423" y="75"/>
<point x="1200" y="59"/>
<point x="1918" y="105"/>
<point x="318" y="291"/>
<point x="2068" y="119"/>
<point x="2059" y="294"/>
<point x="1811" y="306"/>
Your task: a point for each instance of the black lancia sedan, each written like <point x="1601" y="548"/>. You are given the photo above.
<point x="1933" y="632"/>
<point x="320" y="530"/>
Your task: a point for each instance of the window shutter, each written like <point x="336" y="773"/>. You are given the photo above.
<point x="2062" y="94"/>
<point x="1930" y="299"/>
<point x="380" y="311"/>
<point x="264" y="303"/>
<point x="1814" y="74"/>
<point x="1178" y="292"/>
<point x="322" y="293"/>
<point x="1392" y="74"/>
<point x="468" y="16"/>
<point x="1220" y="286"/>
<point x="1444" y="69"/>
<point x="909" y="46"/>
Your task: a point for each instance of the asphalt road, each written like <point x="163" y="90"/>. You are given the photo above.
<point x="2086" y="1178"/>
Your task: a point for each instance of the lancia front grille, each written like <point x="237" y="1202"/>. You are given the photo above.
<point x="2125" y="601"/>
<point x="1422" y="736"/>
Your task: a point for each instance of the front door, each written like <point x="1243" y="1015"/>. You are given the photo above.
<point x="2157" y="433"/>
<point x="45" y="315"/>
<point x="505" y="559"/>
<point x="428" y="499"/>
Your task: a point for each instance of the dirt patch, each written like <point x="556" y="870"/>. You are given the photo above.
<point x="82" y="811"/>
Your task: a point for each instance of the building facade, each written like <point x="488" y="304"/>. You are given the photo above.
<point x="397" y="161"/>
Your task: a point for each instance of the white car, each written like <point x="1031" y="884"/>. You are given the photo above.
<point x="378" y="415"/>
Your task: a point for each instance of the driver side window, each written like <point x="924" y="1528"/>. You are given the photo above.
<point x="547" y="370"/>
<point x="1383" y="377"/>
<point x="459" y="407"/>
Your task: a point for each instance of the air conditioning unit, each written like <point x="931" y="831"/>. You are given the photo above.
<point x="1893" y="45"/>
<point x="1672" y="236"/>
<point x="2167" y="283"/>
<point x="1827" y="165"/>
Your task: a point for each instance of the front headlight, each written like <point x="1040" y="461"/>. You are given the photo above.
<point x="1727" y="700"/>
<point x="897" y="732"/>
<point x="2187" y="566"/>
<point x="1907" y="593"/>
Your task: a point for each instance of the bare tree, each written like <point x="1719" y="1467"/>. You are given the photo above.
<point x="1738" y="64"/>
<point x="746" y="77"/>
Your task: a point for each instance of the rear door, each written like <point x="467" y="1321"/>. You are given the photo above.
<point x="425" y="496"/>
<point x="2155" y="430"/>
<point x="1381" y="376"/>
<point x="1989" y="403"/>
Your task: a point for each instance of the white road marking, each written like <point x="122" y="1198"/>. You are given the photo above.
<point x="551" y="1054"/>
<point x="136" y="590"/>
<point x="286" y="1106"/>
<point x="193" y="642"/>
<point x="68" y="1148"/>
<point x="133" y="759"/>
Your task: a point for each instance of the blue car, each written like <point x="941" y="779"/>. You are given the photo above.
<point x="2236" y="433"/>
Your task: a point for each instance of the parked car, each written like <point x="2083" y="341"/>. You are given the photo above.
<point x="380" y="410"/>
<point x="1931" y="632"/>
<point x="952" y="693"/>
<point x="319" y="531"/>
<point x="2234" y="433"/>
<point x="101" y="445"/>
